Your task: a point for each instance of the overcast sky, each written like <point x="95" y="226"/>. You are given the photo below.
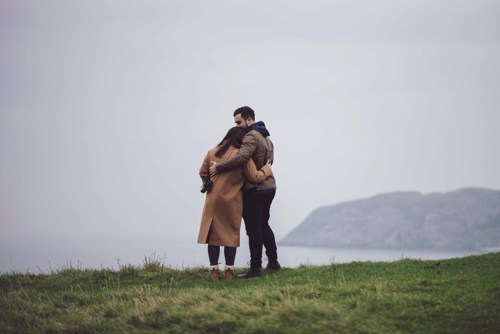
<point x="108" y="107"/>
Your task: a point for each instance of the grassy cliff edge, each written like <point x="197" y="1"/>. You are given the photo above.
<point x="407" y="296"/>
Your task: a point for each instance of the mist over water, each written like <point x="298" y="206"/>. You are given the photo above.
<point x="48" y="254"/>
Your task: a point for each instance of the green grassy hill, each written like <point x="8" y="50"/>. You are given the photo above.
<point x="406" y="296"/>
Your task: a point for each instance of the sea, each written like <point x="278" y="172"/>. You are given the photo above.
<point x="42" y="255"/>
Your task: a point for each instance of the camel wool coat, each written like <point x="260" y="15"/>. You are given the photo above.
<point x="223" y="209"/>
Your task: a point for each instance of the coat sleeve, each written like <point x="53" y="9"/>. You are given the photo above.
<point x="244" y="154"/>
<point x="255" y="175"/>
<point x="205" y="169"/>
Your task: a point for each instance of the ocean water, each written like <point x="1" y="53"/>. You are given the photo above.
<point x="48" y="254"/>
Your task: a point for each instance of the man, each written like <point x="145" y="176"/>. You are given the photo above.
<point x="257" y="197"/>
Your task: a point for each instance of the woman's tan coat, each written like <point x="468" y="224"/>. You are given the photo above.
<point x="221" y="217"/>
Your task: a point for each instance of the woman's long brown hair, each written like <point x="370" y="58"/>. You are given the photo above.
<point x="234" y="137"/>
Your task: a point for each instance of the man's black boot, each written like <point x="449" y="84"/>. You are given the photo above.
<point x="273" y="265"/>
<point x="251" y="273"/>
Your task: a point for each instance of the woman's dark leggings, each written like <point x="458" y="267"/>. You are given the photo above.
<point x="229" y="255"/>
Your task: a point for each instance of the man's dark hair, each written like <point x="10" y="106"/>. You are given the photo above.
<point x="245" y="112"/>
<point x="234" y="137"/>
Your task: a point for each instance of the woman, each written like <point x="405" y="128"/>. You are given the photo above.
<point x="221" y="218"/>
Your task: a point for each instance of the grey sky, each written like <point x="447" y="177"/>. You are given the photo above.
<point x="108" y="107"/>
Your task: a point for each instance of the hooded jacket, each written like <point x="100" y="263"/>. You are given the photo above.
<point x="256" y="146"/>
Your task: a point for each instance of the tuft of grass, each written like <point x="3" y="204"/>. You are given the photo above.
<point x="153" y="263"/>
<point x="406" y="296"/>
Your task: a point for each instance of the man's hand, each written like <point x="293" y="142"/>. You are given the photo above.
<point x="213" y="168"/>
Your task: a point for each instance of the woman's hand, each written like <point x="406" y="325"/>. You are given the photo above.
<point x="269" y="166"/>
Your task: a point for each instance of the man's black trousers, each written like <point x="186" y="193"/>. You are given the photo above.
<point x="256" y="213"/>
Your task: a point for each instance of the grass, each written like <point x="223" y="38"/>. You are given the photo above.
<point x="406" y="296"/>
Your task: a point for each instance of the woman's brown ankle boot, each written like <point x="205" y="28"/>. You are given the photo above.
<point x="229" y="274"/>
<point x="215" y="275"/>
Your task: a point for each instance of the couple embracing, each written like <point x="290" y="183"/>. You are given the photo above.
<point x="243" y="185"/>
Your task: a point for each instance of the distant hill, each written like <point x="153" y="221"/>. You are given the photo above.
<point x="463" y="219"/>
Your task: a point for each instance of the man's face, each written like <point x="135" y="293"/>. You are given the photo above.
<point x="240" y="122"/>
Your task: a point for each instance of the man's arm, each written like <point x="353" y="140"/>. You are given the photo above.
<point x="244" y="154"/>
